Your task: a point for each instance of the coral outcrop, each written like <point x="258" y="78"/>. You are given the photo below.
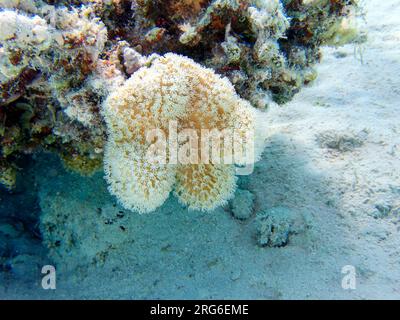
<point x="60" y="59"/>
<point x="52" y="82"/>
<point x="267" y="48"/>
<point x="175" y="91"/>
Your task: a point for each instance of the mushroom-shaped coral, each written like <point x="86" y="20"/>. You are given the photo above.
<point x="180" y="101"/>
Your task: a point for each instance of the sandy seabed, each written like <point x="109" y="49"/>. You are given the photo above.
<point x="332" y="160"/>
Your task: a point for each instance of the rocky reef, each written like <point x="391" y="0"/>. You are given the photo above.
<point x="59" y="60"/>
